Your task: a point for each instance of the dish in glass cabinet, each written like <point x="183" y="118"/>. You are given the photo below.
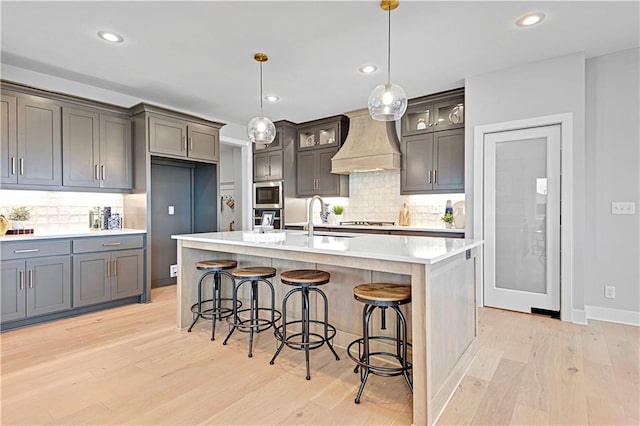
<point x="311" y="140"/>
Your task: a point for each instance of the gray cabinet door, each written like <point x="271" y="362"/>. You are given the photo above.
<point x="267" y="166"/>
<point x="203" y="142"/>
<point x="167" y="136"/>
<point x="126" y="279"/>
<point x="8" y="140"/>
<point x="307" y="174"/>
<point x="39" y="142"/>
<point x="417" y="161"/>
<point x="12" y="290"/>
<point x="275" y="165"/>
<point x="48" y="285"/>
<point x="328" y="183"/>
<point x="116" y="158"/>
<point x="448" y="166"/>
<point x="91" y="282"/>
<point x="80" y="148"/>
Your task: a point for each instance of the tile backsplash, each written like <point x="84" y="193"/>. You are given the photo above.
<point x="376" y="196"/>
<point x="59" y="211"/>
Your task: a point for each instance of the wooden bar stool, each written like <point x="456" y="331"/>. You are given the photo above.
<point x="255" y="323"/>
<point x="302" y="338"/>
<point x="217" y="311"/>
<point x="382" y="296"/>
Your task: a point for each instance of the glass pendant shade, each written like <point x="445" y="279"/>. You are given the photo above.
<point x="261" y="130"/>
<point x="387" y="102"/>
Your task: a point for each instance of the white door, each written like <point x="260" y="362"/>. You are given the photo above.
<point x="522" y="219"/>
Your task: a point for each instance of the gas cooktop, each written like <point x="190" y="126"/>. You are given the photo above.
<point x="368" y="223"/>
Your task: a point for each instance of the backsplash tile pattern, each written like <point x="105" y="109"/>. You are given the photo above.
<point x="376" y="196"/>
<point x="59" y="211"/>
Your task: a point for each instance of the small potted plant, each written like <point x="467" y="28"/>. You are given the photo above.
<point x="337" y="210"/>
<point x="448" y="220"/>
<point x="18" y="216"/>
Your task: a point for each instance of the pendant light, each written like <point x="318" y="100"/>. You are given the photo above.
<point x="260" y="129"/>
<point x="388" y="101"/>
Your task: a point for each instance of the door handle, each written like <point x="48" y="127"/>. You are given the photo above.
<point x="102" y="171"/>
<point x="96" y="172"/>
<point x="30" y="278"/>
<point x="21" y="273"/>
<point x="115" y="268"/>
<point x="22" y="166"/>
<point x="435" y="176"/>
<point x="108" y="269"/>
<point x="429" y="181"/>
<point x="191" y="143"/>
<point x="13" y="165"/>
<point x="184" y="143"/>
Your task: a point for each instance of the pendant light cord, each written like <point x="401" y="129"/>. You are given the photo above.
<point x="261" y="113"/>
<point x="389" y="45"/>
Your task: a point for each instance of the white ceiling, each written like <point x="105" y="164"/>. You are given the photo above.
<point x="198" y="56"/>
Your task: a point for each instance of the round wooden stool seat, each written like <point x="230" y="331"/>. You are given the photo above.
<point x="216" y="264"/>
<point x="305" y="276"/>
<point x="383" y="292"/>
<point x="254" y="272"/>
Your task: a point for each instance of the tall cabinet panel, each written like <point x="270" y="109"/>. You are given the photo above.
<point x="39" y="142"/>
<point x="8" y="140"/>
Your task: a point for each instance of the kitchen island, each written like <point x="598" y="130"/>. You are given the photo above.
<point x="441" y="271"/>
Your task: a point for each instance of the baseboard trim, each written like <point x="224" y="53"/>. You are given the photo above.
<point x="579" y="316"/>
<point x="612" y="315"/>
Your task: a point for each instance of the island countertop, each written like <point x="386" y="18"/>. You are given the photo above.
<point x="424" y="250"/>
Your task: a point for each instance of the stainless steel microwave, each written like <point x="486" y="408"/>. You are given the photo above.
<point x="267" y="195"/>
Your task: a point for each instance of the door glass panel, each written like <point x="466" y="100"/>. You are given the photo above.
<point x="449" y="114"/>
<point x="520" y="215"/>
<point x="327" y="135"/>
<point x="418" y="119"/>
<point x="306" y="138"/>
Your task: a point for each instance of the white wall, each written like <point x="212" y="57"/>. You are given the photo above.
<point x="549" y="87"/>
<point x="612" y="254"/>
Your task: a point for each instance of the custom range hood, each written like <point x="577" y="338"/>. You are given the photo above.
<point x="370" y="145"/>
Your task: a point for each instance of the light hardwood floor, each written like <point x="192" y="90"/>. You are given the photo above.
<point x="130" y="365"/>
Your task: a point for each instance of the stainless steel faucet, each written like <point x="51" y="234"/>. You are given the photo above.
<point x="310" y="212"/>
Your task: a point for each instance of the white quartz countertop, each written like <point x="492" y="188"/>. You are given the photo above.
<point x="386" y="227"/>
<point x="426" y="250"/>
<point x="70" y="234"/>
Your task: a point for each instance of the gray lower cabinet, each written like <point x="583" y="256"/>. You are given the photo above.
<point x="182" y="139"/>
<point x="97" y="149"/>
<point x="35" y="287"/>
<point x="107" y="268"/>
<point x="31" y="141"/>
<point x="433" y="162"/>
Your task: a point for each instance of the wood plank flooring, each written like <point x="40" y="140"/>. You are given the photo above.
<point x="129" y="365"/>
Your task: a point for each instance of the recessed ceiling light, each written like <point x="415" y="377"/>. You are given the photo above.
<point x="272" y="98"/>
<point x="368" y="69"/>
<point x="111" y="37"/>
<point x="530" y="19"/>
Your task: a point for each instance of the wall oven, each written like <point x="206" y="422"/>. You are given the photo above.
<point x="267" y="195"/>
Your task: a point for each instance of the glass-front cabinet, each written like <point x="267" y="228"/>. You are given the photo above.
<point x="319" y="136"/>
<point x="434" y="114"/>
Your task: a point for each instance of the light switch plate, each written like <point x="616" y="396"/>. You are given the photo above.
<point x="623" y="207"/>
<point x="172" y="210"/>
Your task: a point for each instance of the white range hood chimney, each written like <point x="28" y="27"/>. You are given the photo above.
<point x="370" y="145"/>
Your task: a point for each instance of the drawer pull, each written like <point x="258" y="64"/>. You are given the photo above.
<point x="110" y="244"/>
<point x="27" y="251"/>
<point x="21" y="280"/>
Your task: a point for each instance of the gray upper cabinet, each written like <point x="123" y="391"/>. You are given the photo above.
<point x="317" y="142"/>
<point x="267" y="166"/>
<point x="276" y="161"/>
<point x="39" y="142"/>
<point x="183" y="139"/>
<point x="9" y="140"/>
<point x="97" y="150"/>
<point x="433" y="144"/>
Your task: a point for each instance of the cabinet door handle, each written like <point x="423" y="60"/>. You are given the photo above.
<point x="96" y="171"/>
<point x="27" y="251"/>
<point x="269" y="169"/>
<point x="22" y="166"/>
<point x="110" y="244"/>
<point x="13" y="165"/>
<point x="115" y="268"/>
<point x="435" y="176"/>
<point x="21" y="273"/>
<point x="30" y="278"/>
<point x="190" y="143"/>
<point x="184" y="143"/>
<point x="108" y="269"/>
<point x="429" y="181"/>
<point x="102" y="171"/>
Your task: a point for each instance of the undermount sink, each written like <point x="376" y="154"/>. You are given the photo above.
<point x="264" y="237"/>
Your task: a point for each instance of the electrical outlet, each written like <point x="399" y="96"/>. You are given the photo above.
<point x="173" y="271"/>
<point x="623" y="207"/>
<point x="609" y="292"/>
